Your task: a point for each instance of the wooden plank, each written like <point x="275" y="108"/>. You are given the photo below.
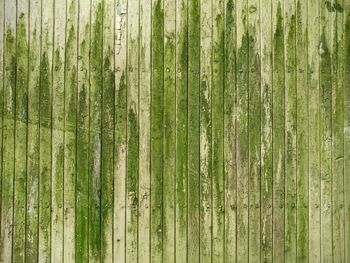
<point x="96" y="70"/>
<point x="206" y="160"/>
<point x="70" y="122"/>
<point x="2" y="43"/>
<point x="217" y="111"/>
<point x="157" y="105"/>
<point x="144" y="127"/>
<point x="120" y="130"/>
<point x="107" y="120"/>
<point x="290" y="131"/>
<point x="254" y="127"/>
<point x="193" y="144"/>
<point x="58" y="143"/>
<point x="169" y="132"/>
<point x="346" y="63"/>
<point x="325" y="109"/>
<point x="230" y="133"/>
<point x="33" y="133"/>
<point x="132" y="82"/>
<point x="82" y="140"/>
<point x="302" y="132"/>
<point x="242" y="143"/>
<point x="266" y="51"/>
<point x="278" y="137"/>
<point x="338" y="210"/>
<point x="45" y="124"/>
<point x="314" y="138"/>
<point x="8" y="131"/>
<point x="181" y="131"/>
<point x="21" y="119"/>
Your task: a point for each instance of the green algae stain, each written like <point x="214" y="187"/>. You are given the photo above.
<point x="22" y="70"/>
<point x="121" y="112"/>
<point x="45" y="91"/>
<point x="10" y="67"/>
<point x="133" y="169"/>
<point x="95" y="135"/>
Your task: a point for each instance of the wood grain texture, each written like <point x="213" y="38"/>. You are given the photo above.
<point x="174" y="131"/>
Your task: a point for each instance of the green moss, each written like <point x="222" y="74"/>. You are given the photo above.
<point x="133" y="156"/>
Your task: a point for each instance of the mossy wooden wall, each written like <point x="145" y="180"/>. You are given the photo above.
<point x="175" y="131"/>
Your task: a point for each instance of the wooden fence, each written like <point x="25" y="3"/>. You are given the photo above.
<point x="175" y="131"/>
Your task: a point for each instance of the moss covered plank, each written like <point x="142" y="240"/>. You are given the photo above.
<point x="302" y="132"/>
<point x="21" y="120"/>
<point x="313" y="129"/>
<point x="266" y="151"/>
<point x="95" y="100"/>
<point x="278" y="133"/>
<point x="338" y="205"/>
<point x="8" y="151"/>
<point x="169" y="132"/>
<point x="132" y="84"/>
<point x="107" y="124"/>
<point x="157" y="118"/>
<point x="82" y="183"/>
<point x="120" y="112"/>
<point x="193" y="144"/>
<point x="181" y="208"/>
<point x="70" y="130"/>
<point x="206" y="132"/>
<point x="45" y="124"/>
<point x="57" y="137"/>
<point x="242" y="143"/>
<point x="32" y="211"/>
<point x="144" y="130"/>
<point x="254" y="128"/>
<point x="290" y="131"/>
<point x="325" y="109"/>
<point x="230" y="132"/>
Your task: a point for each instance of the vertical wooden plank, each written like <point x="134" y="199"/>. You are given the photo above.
<point x="302" y="131"/>
<point x="181" y="130"/>
<point x="120" y="130"/>
<point x="95" y="132"/>
<point x="217" y="105"/>
<point x="83" y="172"/>
<point x="107" y="131"/>
<point x="278" y="133"/>
<point x="290" y="132"/>
<point x="132" y="182"/>
<point x="314" y="137"/>
<point x="266" y="14"/>
<point x="57" y="161"/>
<point x="242" y="143"/>
<point x="45" y="122"/>
<point x="21" y="118"/>
<point x="254" y="123"/>
<point x="230" y="133"/>
<point x="8" y="131"/>
<point x="193" y="143"/>
<point x="144" y="126"/>
<point x="338" y="134"/>
<point x="346" y="62"/>
<point x="325" y="130"/>
<point x="157" y="103"/>
<point x="33" y="133"/>
<point x="2" y="43"/>
<point x="169" y="132"/>
<point x="70" y="122"/>
<point x="206" y="84"/>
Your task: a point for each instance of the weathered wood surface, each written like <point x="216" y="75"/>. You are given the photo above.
<point x="175" y="131"/>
